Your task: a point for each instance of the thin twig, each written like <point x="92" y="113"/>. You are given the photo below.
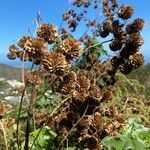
<point x="4" y="134"/>
<point x="98" y="44"/>
<point x="91" y="46"/>
<point x="20" y="107"/>
<point x="19" y="112"/>
<point x="126" y="102"/>
<point x="30" y="114"/>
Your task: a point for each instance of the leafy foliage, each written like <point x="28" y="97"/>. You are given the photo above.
<point x="46" y="139"/>
<point x="135" y="137"/>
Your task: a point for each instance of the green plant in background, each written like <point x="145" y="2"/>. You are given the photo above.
<point x="46" y="139"/>
<point x="135" y="137"/>
<point x="142" y="75"/>
<point x="126" y="86"/>
<point x="130" y="97"/>
<point x="93" y="47"/>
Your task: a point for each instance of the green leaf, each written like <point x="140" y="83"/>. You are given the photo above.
<point x="138" y="145"/>
<point x="53" y="133"/>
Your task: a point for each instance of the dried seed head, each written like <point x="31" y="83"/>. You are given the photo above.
<point x="55" y="63"/>
<point x="116" y="29"/>
<point x="136" y="60"/>
<point x="13" y="48"/>
<point x="47" y="32"/>
<point x="85" y="122"/>
<point x="71" y="48"/>
<point x="67" y="88"/>
<point x="116" y="61"/>
<point x="26" y="43"/>
<point x="116" y="45"/>
<point x="79" y="96"/>
<point x="136" y="26"/>
<point x="107" y="25"/>
<point x="125" y="12"/>
<point x="23" y="56"/>
<point x="131" y="28"/>
<point x="69" y="83"/>
<point x="84" y="82"/>
<point x="72" y="23"/>
<point x="139" y="23"/>
<point x="33" y="48"/>
<point x="4" y="108"/>
<point x="78" y="3"/>
<point x="107" y="93"/>
<point x="40" y="46"/>
<point x="125" y="68"/>
<point x="107" y="9"/>
<point x="71" y="76"/>
<point x="95" y="94"/>
<point x="127" y="51"/>
<point x="89" y="142"/>
<point x="13" y="51"/>
<point x="134" y="41"/>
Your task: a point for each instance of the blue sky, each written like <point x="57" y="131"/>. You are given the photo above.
<point x="16" y="17"/>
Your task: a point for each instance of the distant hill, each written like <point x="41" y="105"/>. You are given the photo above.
<point x="9" y="72"/>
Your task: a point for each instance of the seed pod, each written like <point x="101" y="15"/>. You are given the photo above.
<point x="104" y="34"/>
<point x="136" y="60"/>
<point x="116" y="45"/>
<point x="47" y="32"/>
<point x="55" y="63"/>
<point x="125" y="12"/>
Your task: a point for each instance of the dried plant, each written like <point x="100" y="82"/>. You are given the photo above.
<point x="87" y="83"/>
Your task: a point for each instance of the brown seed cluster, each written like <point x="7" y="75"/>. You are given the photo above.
<point x="4" y="108"/>
<point x="70" y="48"/>
<point x="67" y="86"/>
<point x="47" y="32"/>
<point x="135" y="26"/>
<point x="125" y="12"/>
<point x="13" y="52"/>
<point x="55" y="63"/>
<point x="28" y="49"/>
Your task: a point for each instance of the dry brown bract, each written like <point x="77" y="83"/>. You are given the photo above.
<point x="47" y="32"/>
<point x="125" y="12"/>
<point x="70" y="48"/>
<point x="13" y="52"/>
<point x="55" y="63"/>
<point x="136" y="61"/>
<point x="4" y="108"/>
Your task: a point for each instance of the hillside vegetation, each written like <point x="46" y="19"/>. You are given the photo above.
<point x="143" y="76"/>
<point x="9" y="72"/>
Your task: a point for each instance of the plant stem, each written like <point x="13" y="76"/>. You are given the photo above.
<point x="21" y="101"/>
<point x="4" y="134"/>
<point x="30" y="115"/>
<point x="20" y="107"/>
